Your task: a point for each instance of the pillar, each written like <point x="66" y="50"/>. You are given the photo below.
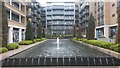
<point x="10" y="14"/>
<point x="10" y="2"/>
<point x="20" y="6"/>
<point x="95" y="33"/>
<point x="20" y="19"/>
<point x="20" y="35"/>
<point x="10" y="35"/>
<point x="106" y="31"/>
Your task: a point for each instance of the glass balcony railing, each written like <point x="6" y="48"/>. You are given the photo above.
<point x="58" y="13"/>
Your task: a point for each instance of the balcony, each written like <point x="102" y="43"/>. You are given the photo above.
<point x="43" y="19"/>
<point x="34" y="13"/>
<point x="29" y="15"/>
<point x="58" y="7"/>
<point x="14" y="9"/>
<point x="38" y="5"/>
<point x="58" y="13"/>
<point x="49" y="13"/>
<point x="69" y="8"/>
<point x="69" y="19"/>
<point x="58" y="18"/>
<point x="38" y="10"/>
<point x="43" y="15"/>
<point x="69" y="13"/>
<point x="49" y="18"/>
<point x="29" y="5"/>
<point x="34" y="7"/>
<point x="38" y="17"/>
<point x="34" y="20"/>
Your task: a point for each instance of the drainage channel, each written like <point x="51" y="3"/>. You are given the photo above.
<point x="66" y="61"/>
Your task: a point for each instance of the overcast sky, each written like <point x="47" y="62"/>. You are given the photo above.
<point x="42" y="2"/>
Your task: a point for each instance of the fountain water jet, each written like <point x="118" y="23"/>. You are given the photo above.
<point x="58" y="43"/>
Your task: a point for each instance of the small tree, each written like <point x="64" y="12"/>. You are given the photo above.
<point x="29" y="32"/>
<point x="4" y="25"/>
<point x="39" y="31"/>
<point x="91" y="27"/>
<point x="43" y="33"/>
<point x="118" y="28"/>
<point x="74" y="31"/>
<point x="79" y="31"/>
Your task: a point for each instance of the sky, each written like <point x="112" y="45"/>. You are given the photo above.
<point x="43" y="2"/>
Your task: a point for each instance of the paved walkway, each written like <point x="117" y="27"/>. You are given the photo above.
<point x="20" y="49"/>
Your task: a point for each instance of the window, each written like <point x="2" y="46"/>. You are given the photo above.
<point x="113" y="15"/>
<point x="15" y="17"/>
<point x="113" y="5"/>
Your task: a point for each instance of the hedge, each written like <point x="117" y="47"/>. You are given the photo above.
<point x="116" y="47"/>
<point x="103" y="44"/>
<point x="43" y="39"/>
<point x="12" y="46"/>
<point x="3" y="50"/>
<point x="26" y="42"/>
<point x="37" y="40"/>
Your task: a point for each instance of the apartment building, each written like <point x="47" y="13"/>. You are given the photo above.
<point x="84" y="15"/>
<point x="60" y="17"/>
<point x="43" y="16"/>
<point x="106" y="18"/>
<point x="16" y="13"/>
<point x="43" y="19"/>
<point x="77" y="22"/>
<point x="33" y="14"/>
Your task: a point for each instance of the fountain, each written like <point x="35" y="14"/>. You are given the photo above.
<point x="58" y="43"/>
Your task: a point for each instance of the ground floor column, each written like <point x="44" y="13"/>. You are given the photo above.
<point x="20" y="35"/>
<point x="106" y="31"/>
<point x="95" y="33"/>
<point x="10" y="36"/>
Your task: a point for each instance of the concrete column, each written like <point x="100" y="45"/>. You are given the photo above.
<point x="20" y="6"/>
<point x="20" y="35"/>
<point x="10" y="2"/>
<point x="10" y="36"/>
<point x="24" y="35"/>
<point x="106" y="31"/>
<point x="10" y="14"/>
<point x="20" y="19"/>
<point x="95" y="33"/>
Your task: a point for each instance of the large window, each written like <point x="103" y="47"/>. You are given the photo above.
<point x="15" y="35"/>
<point x="112" y="32"/>
<point x="16" y="4"/>
<point x="15" y="17"/>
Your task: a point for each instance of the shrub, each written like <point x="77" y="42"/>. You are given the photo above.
<point x="106" y="44"/>
<point x="36" y="40"/>
<point x="43" y="39"/>
<point x="26" y="42"/>
<point x="115" y="48"/>
<point x="3" y="49"/>
<point x="12" y="46"/>
<point x="103" y="44"/>
<point x="74" y="38"/>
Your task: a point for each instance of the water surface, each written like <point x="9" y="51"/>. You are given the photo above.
<point x="67" y="48"/>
